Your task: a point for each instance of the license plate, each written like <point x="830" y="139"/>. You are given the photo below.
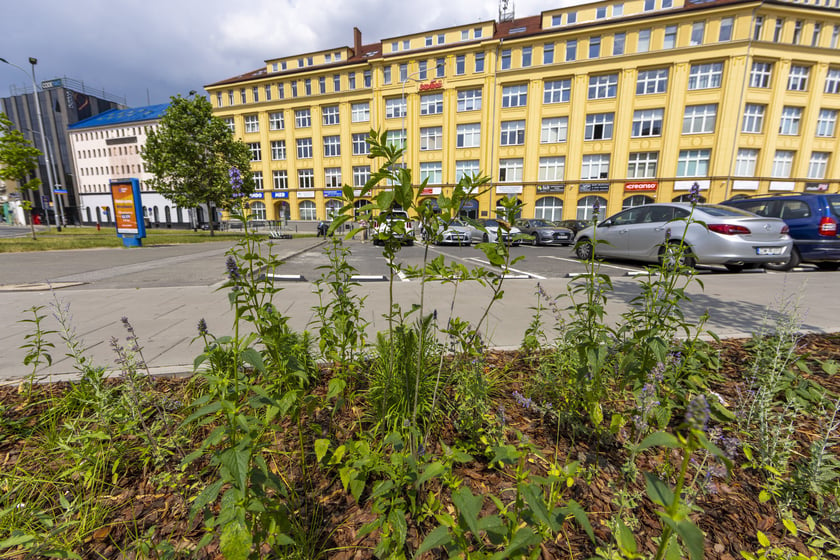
<point x="769" y="250"/>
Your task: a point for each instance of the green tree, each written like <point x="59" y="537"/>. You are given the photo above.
<point x="18" y="161"/>
<point x="191" y="155"/>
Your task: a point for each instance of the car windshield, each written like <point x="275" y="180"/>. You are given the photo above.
<point x="724" y="211"/>
<point x="457" y="223"/>
<point x="540" y="223"/>
<point x="491" y="223"/>
<point x="834" y="203"/>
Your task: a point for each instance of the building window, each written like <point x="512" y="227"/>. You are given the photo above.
<point x="322" y="85"/>
<point x="431" y="104"/>
<point x="360" y="112"/>
<point x="526" y="57"/>
<point x="835" y="37"/>
<point x="306" y="179"/>
<point x="230" y="97"/>
<point x="798" y="78"/>
<point x="699" y="119"/>
<point x="789" y="123"/>
<point x="303" y="118"/>
<point x="726" y="25"/>
<point x="469" y="100"/>
<point x="510" y="170"/>
<point x="515" y="96"/>
<point x="361" y="175"/>
<point x="304" y="148"/>
<point x="619" y="40"/>
<point x="258" y="180"/>
<point x="745" y="162"/>
<point x="642" y="165"/>
<point x="386" y="75"/>
<point x="705" y="76"/>
<point x="826" y="122"/>
<point x="552" y="168"/>
<point x="600" y="12"/>
<point x="431" y="138"/>
<point x="505" y="59"/>
<point x="512" y="133"/>
<point x="557" y="91"/>
<point x="230" y="124"/>
<point x="832" y="81"/>
<point x="422" y="72"/>
<point x="336" y="83"/>
<point x="278" y="150"/>
<point x="572" y="18"/>
<point x="603" y="87"/>
<point x="466" y="168"/>
<point x="782" y="164"/>
<point x="693" y="163"/>
<point x="394" y="108"/>
<point x="647" y="122"/>
<point x="307" y="87"/>
<point x="649" y="5"/>
<point x="403" y="72"/>
<point x="548" y="208"/>
<point x="548" y="53"/>
<point x="760" y="74"/>
<point x="652" y="81"/>
<point x="360" y="144"/>
<point x="468" y="135"/>
<point x="307" y="210"/>
<point x="797" y="32"/>
<point x="753" y="118"/>
<point x="757" y="28"/>
<point x="477" y="33"/>
<point x="242" y="98"/>
<point x="367" y="77"/>
<point x="670" y="40"/>
<point x="258" y="210"/>
<point x="432" y="172"/>
<point x="594" y="47"/>
<point x="332" y="176"/>
<point x="571" y="50"/>
<point x="460" y="65"/>
<point x="281" y="91"/>
<point x="599" y="126"/>
<point x="332" y="146"/>
<point x="818" y="166"/>
<point x="644" y="41"/>
<point x="554" y="130"/>
<point x="586" y="207"/>
<point x="618" y="9"/>
<point x="294" y="88"/>
<point x="329" y="115"/>
<point x="395" y="138"/>
<point x="256" y="151"/>
<point x="252" y="123"/>
<point x="698" y="30"/>
<point x="281" y="179"/>
<point x="595" y="166"/>
<point x="219" y="99"/>
<point x="479" y="63"/>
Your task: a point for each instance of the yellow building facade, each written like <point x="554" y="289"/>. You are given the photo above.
<point x="617" y="102"/>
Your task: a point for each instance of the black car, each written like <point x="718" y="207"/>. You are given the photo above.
<point x="574" y="225"/>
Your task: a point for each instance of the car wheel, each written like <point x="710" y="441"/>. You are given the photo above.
<point x="486" y="238"/>
<point x="583" y="250"/>
<point x="534" y="241"/>
<point x="670" y="257"/>
<point x="410" y="243"/>
<point x="794" y="261"/>
<point x="828" y="266"/>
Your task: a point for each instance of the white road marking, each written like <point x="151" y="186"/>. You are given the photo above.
<point x="579" y="262"/>
<point x="528" y="274"/>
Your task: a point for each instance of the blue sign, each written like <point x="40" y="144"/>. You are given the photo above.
<point x="283" y="194"/>
<point x="333" y="194"/>
<point x="256" y="195"/>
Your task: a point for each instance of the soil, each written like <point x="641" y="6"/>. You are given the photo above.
<point x="728" y="509"/>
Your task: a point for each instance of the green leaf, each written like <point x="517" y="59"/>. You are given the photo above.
<point x="534" y="498"/>
<point x="469" y="506"/>
<point x="523" y="539"/>
<point x="658" y="491"/>
<point x="251" y="356"/>
<point x="399" y="527"/>
<point x="659" y="439"/>
<point x="692" y="538"/>
<point x="625" y="539"/>
<point x="207" y="496"/>
<point x="581" y="518"/>
<point x="440" y="536"/>
<point x="18" y="538"/>
<point x="791" y="526"/>
<point x="321" y="448"/>
<point x="431" y="470"/>
<point x="235" y="542"/>
<point x="762" y="539"/>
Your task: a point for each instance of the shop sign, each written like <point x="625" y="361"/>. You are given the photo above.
<point x="306" y="194"/>
<point x="686" y="185"/>
<point x="434" y="84"/>
<point x="742" y="185"/>
<point x="509" y="189"/>
<point x="541" y="189"/>
<point x="257" y="195"/>
<point x="594" y="187"/>
<point x="650" y="186"/>
<point x="333" y="194"/>
<point x="281" y="194"/>
<point x="782" y="185"/>
<point x="816" y="187"/>
<point x="429" y="191"/>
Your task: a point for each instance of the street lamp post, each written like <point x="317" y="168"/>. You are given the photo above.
<point x="33" y="61"/>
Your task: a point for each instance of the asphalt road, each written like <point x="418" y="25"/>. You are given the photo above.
<point x="165" y="290"/>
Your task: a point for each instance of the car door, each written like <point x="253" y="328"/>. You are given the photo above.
<point x="614" y="234"/>
<point x="647" y="233"/>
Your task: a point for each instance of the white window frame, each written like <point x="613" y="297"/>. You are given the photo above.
<point x="278" y="150"/>
<point x="360" y="144"/>
<point x="252" y="123"/>
<point x="469" y="100"/>
<point x="433" y="171"/>
<point x="276" y="121"/>
<point x="304" y="148"/>
<point x="604" y="86"/>
<point x="510" y="170"/>
<point x="760" y="74"/>
<point x="700" y="119"/>
<point x="554" y="130"/>
<point x="330" y="115"/>
<point x="552" y="168"/>
<point x="557" y="91"/>
<point x="595" y="167"/>
<point x="306" y="178"/>
<point x="360" y="112"/>
<point x="466" y="168"/>
<point x="431" y="104"/>
<point x="642" y="165"/>
<point x="431" y="138"/>
<point x="468" y="135"/>
<point x="826" y="123"/>
<point x="647" y="123"/>
<point x="332" y="146"/>
<point x="280" y="179"/>
<point x="708" y="75"/>
<point x="832" y="81"/>
<point x="256" y="151"/>
<point x="789" y="121"/>
<point x="746" y="162"/>
<point x="818" y="165"/>
<point x="303" y="118"/>
<point x="361" y="175"/>
<point x="693" y="163"/>
<point x="783" y="164"/>
<point x="599" y="126"/>
<point x="798" y="77"/>
<point x="753" y="122"/>
<point x="515" y="95"/>
<point x="512" y="133"/>
<point x="395" y="108"/>
<point x="332" y="177"/>
<point x="652" y="81"/>
<point x="307" y="210"/>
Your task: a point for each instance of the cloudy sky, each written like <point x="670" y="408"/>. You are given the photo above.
<point x="149" y="50"/>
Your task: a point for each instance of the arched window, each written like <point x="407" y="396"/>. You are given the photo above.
<point x="586" y="207"/>
<point x="358" y="214"/>
<point x="156" y="214"/>
<point x="687" y="198"/>
<point x="469" y="209"/>
<point x="282" y="210"/>
<point x="636" y="200"/>
<point x="500" y="209"/>
<point x="332" y="207"/>
<point x="258" y="211"/>
<point x="167" y="212"/>
<point x="549" y="208"/>
<point x="307" y="210"/>
<point x="87" y="213"/>
<point x="179" y="215"/>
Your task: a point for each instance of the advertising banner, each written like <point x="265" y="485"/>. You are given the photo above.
<point x="649" y="186"/>
<point x="128" y="211"/>
<point x="816" y="187"/>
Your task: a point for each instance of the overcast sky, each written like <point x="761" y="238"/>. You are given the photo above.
<point x="150" y="50"/>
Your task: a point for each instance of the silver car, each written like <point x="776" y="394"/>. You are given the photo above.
<point x="489" y="232"/>
<point x="455" y="232"/>
<point x="545" y="233"/>
<point x="714" y="234"/>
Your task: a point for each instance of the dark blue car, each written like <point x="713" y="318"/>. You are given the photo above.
<point x="812" y="219"/>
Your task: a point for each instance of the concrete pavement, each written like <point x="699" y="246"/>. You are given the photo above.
<point x="164" y="291"/>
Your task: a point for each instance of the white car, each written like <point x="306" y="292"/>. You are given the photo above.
<point x="490" y="232"/>
<point x="454" y="233"/>
<point x="383" y="227"/>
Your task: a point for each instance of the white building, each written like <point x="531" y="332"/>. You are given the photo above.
<point x="109" y="146"/>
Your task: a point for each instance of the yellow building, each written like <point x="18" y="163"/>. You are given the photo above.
<point x="620" y="102"/>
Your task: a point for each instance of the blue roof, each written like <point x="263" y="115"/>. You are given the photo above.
<point x="123" y="116"/>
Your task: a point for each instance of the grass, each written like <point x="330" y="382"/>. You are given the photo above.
<point x="89" y="238"/>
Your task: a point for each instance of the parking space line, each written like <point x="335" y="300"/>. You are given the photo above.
<point x="521" y="272"/>
<point x="601" y="263"/>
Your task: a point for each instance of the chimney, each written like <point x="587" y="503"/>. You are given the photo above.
<point x="357" y="41"/>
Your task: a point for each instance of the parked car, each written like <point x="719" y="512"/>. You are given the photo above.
<point x="489" y="232"/>
<point x="715" y="234"/>
<point x="396" y="224"/>
<point x="454" y="233"/>
<point x="545" y="233"/>
<point x="574" y="225"/>
<point x="812" y="219"/>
